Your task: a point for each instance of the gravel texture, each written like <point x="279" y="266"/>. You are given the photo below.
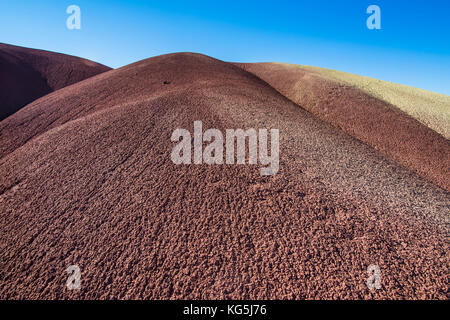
<point x="86" y="179"/>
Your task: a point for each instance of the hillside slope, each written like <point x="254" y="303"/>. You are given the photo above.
<point x="430" y="108"/>
<point x="381" y="125"/>
<point x="28" y="74"/>
<point x="89" y="181"/>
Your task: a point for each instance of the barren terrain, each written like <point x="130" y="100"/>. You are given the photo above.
<point x="28" y="74"/>
<point x="350" y="105"/>
<point x="86" y="178"/>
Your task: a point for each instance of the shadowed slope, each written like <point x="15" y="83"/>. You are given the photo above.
<point x="91" y="183"/>
<point x="373" y="121"/>
<point x="28" y="74"/>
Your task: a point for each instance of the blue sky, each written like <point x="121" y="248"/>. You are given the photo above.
<point x="413" y="46"/>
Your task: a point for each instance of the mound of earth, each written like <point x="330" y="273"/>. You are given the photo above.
<point x="356" y="108"/>
<point x="88" y="180"/>
<point x="28" y="74"/>
<point x="430" y="108"/>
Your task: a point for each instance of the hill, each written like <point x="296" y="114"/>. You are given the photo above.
<point x="89" y="181"/>
<point x="430" y="108"/>
<point x="362" y="108"/>
<point x="28" y="74"/>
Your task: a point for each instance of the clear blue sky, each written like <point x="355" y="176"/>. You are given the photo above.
<point x="413" y="46"/>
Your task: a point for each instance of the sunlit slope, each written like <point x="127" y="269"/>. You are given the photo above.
<point x="430" y="108"/>
<point x="382" y="125"/>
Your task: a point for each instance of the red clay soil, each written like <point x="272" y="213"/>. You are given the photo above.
<point x="89" y="181"/>
<point x="28" y="74"/>
<point x="375" y="122"/>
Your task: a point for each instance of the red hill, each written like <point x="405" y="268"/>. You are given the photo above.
<point x="86" y="178"/>
<point x="28" y="74"/>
